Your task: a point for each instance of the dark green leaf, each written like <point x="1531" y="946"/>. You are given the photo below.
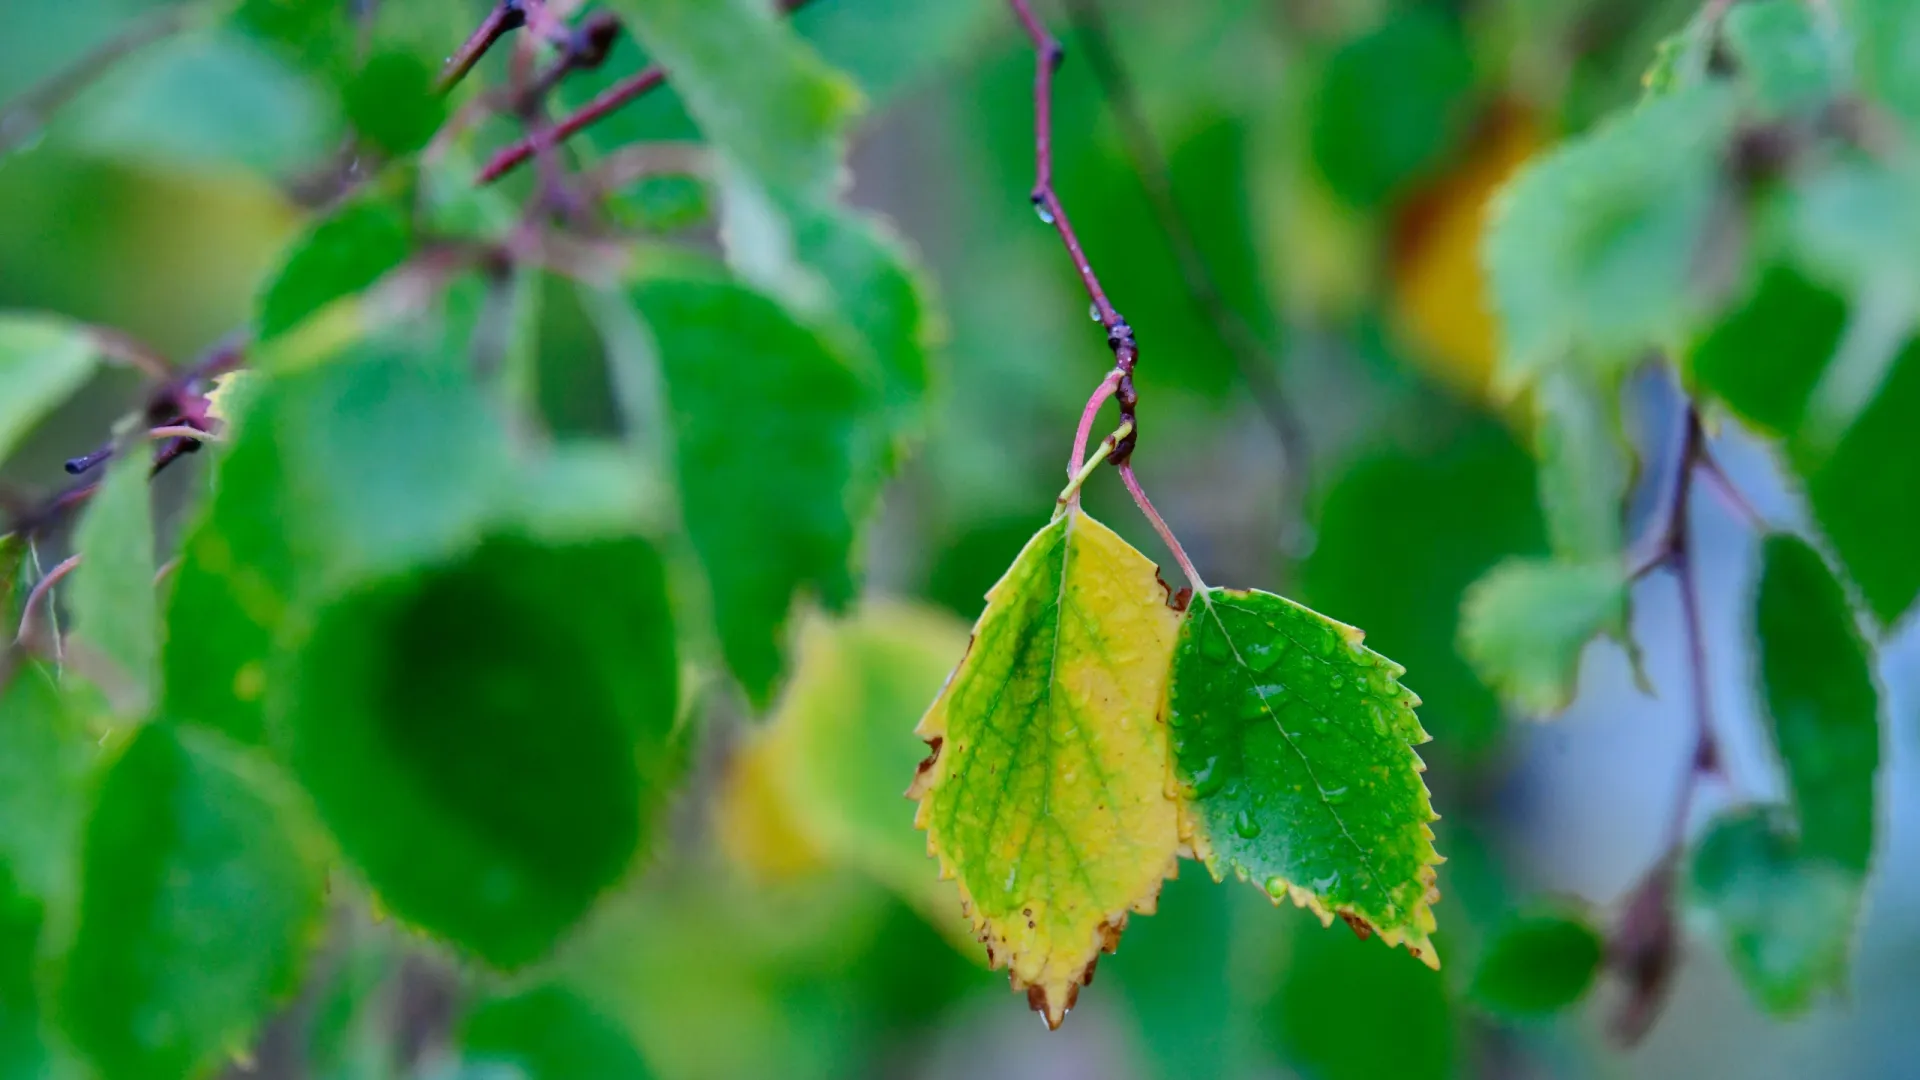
<point x="1786" y="920"/>
<point x="766" y="462"/>
<point x="43" y="360"/>
<point x="1816" y="676"/>
<point x="1537" y="964"/>
<point x="392" y="103"/>
<point x="1861" y="493"/>
<point x="1765" y="356"/>
<point x="45" y="756"/>
<point x="344" y="253"/>
<point x="1327" y="1020"/>
<point x="762" y="97"/>
<point x="1594" y="251"/>
<point x="489" y="739"/>
<point x="201" y="895"/>
<point x="116" y="611"/>
<point x="24" y="1052"/>
<point x="1295" y="744"/>
<point x="550" y="1034"/>
<point x="1390" y="106"/>
<point x="1524" y="626"/>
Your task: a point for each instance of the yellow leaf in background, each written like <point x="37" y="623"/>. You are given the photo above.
<point x="818" y="787"/>
<point x="1046" y="794"/>
<point x="1439" y="287"/>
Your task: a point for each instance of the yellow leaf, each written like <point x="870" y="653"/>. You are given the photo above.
<point x="1046" y="794"/>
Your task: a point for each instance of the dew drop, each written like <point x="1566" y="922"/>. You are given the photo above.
<point x="1277" y="887"/>
<point x="1335" y="795"/>
<point x="1040" y="211"/>
<point x="1208" y="778"/>
<point x="1325" y="885"/>
<point x="1337" y="681"/>
<point x="1245" y="826"/>
<point x="1093" y="310"/>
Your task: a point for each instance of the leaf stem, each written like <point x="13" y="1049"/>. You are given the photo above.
<point x="1070" y="495"/>
<point x="1100" y="395"/>
<point x="1166" y="534"/>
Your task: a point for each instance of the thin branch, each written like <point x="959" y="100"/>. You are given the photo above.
<point x="506" y="17"/>
<point x="605" y="104"/>
<point x="38" y="598"/>
<point x="1250" y="355"/>
<point x="25" y="116"/>
<point x="1160" y="526"/>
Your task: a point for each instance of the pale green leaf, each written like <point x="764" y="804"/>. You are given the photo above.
<point x="1293" y="752"/>
<point x="1783" y="54"/>
<point x="202" y="895"/>
<point x="1584" y="469"/>
<point x="1524" y="626"/>
<point x="1045" y="795"/>
<point x="43" y="360"/>
<point x="116" y="609"/>
<point x="1886" y="34"/>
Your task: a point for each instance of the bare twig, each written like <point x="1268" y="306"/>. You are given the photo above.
<point x="506" y="17"/>
<point x="608" y="102"/>
<point x="27" y="637"/>
<point x="1250" y="355"/>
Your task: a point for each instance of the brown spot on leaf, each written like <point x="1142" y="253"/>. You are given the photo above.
<point x="1363" y="929"/>
<point x="1177" y="599"/>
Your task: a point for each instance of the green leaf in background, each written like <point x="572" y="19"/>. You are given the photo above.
<point x="489" y="739"/>
<point x="1885" y="34"/>
<point x="1524" y="626"/>
<point x="765" y="461"/>
<point x="1765" y="356"/>
<point x="1293" y="749"/>
<point x="1593" y="251"/>
<point x="202" y="894"/>
<point x="1045" y="795"/>
<point x="1390" y="106"/>
<point x="549" y="1033"/>
<point x="392" y="103"/>
<point x="1786" y="920"/>
<point x="1347" y="1010"/>
<point x="1473" y="495"/>
<point x="1584" y="471"/>
<point x="762" y="97"/>
<point x="43" y="361"/>
<point x="343" y="253"/>
<point x="46" y="753"/>
<point x="24" y="1053"/>
<point x="1785" y="895"/>
<point x="1816" y="677"/>
<point x="1536" y="964"/>
<point x="1859" y="493"/>
<point x="116" y="608"/>
<point x="1783" y="53"/>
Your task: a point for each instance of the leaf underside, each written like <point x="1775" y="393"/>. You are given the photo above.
<point x="1046" y="793"/>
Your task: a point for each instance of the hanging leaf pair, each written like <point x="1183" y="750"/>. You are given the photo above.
<point x="1093" y="733"/>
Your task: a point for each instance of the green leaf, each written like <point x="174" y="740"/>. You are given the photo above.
<point x="1886" y="33"/>
<point x="1786" y="920"/>
<point x="1856" y="224"/>
<point x="379" y="460"/>
<point x="46" y="753"/>
<point x="202" y="893"/>
<point x="1765" y="356"/>
<point x="1594" y="251"/>
<point x="342" y="254"/>
<point x="1045" y="795"/>
<point x="1852" y="491"/>
<point x="766" y="460"/>
<point x="770" y="106"/>
<point x="1584" y="471"/>
<point x="489" y="739"/>
<point x="43" y="361"/>
<point x="1390" y="106"/>
<point x="1293" y="751"/>
<point x="1537" y="963"/>
<point x="1782" y="53"/>
<point x="116" y="610"/>
<point x="1816" y="677"/>
<point x="549" y="1033"/>
<point x="1327" y="1019"/>
<point x="1524" y="626"/>
<point x="391" y="101"/>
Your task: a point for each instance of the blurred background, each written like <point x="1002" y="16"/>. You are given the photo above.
<point x="1332" y="161"/>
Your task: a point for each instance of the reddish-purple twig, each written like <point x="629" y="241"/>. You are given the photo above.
<point x="506" y="17"/>
<point x="1085" y="432"/>
<point x="1048" y="55"/>
<point x="1160" y="526"/>
<point x="604" y="104"/>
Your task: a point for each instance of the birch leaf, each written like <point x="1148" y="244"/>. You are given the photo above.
<point x="1293" y="750"/>
<point x="1046" y="792"/>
